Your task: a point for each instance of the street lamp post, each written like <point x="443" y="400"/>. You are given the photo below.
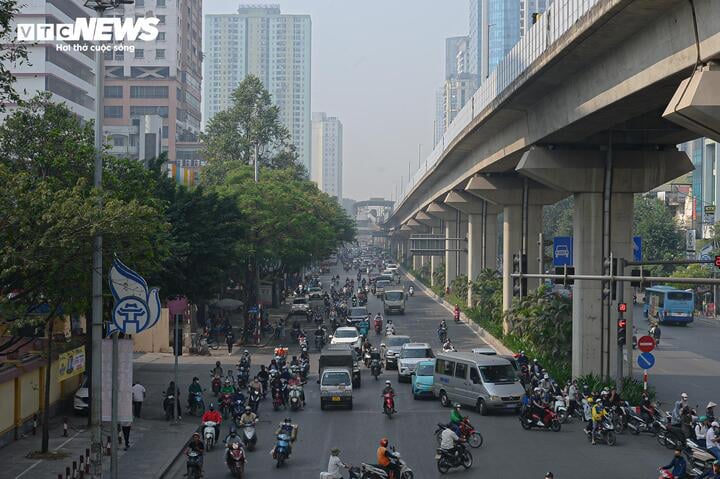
<point x="100" y="7"/>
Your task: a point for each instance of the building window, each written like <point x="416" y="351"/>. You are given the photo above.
<point x="120" y="55"/>
<point x="149" y="110"/>
<point x="113" y="111"/>
<point x="162" y="19"/>
<point x="118" y="141"/>
<point x="139" y="53"/>
<point x="165" y="131"/>
<point x="149" y="92"/>
<point x="159" y="54"/>
<point x="161" y="36"/>
<point x="113" y="92"/>
<point x="160" y="3"/>
<point x="139" y="3"/>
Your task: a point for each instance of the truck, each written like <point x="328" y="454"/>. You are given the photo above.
<point x="341" y="356"/>
<point x="394" y="300"/>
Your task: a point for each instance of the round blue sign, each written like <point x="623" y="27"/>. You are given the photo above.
<point x="646" y="360"/>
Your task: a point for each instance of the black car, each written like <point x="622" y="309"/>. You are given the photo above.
<point x="356" y="315"/>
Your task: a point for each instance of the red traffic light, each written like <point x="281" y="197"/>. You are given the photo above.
<point x="717" y="261"/>
<point x="621" y="323"/>
<point x="622" y="307"/>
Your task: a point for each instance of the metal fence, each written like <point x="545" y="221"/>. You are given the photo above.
<point x="557" y="19"/>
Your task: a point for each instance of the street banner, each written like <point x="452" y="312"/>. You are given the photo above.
<point x="71" y="363"/>
<point x="125" y="378"/>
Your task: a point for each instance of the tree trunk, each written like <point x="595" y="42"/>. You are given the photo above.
<point x="48" y="375"/>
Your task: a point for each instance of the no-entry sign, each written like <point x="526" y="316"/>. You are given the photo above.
<point x="646" y="344"/>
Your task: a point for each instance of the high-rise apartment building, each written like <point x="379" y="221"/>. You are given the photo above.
<point x="68" y="76"/>
<point x="459" y="86"/>
<point x="161" y="79"/>
<point x="705" y="156"/>
<point x="494" y="30"/>
<point x="327" y="154"/>
<point x="259" y="40"/>
<point x="529" y="11"/>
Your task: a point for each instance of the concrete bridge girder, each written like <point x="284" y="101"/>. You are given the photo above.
<point x="427" y="220"/>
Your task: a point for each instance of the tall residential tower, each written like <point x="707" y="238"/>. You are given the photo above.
<point x="259" y="40"/>
<point x="494" y="30"/>
<point x="327" y="154"/>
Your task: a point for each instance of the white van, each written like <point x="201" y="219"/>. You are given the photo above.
<point x="477" y="380"/>
<point x="394" y="300"/>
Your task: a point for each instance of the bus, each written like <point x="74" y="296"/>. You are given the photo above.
<point x="665" y="304"/>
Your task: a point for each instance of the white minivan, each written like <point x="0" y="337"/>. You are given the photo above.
<point x="477" y="380"/>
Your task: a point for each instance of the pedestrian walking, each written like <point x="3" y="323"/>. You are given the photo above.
<point x="126" y="433"/>
<point x="138" y="396"/>
<point x="230" y="339"/>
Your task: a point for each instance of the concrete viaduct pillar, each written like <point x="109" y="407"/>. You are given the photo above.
<point x="507" y="191"/>
<point x="582" y="172"/>
<point x="482" y="234"/>
<point x="432" y="226"/>
<point x="449" y="217"/>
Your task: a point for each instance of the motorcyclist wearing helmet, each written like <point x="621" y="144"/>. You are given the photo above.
<point x="217" y="370"/>
<point x="386" y="459"/>
<point x="227" y="388"/>
<point x="388" y="389"/>
<point x="248" y="416"/>
<point x="449" y="439"/>
<point x="598" y="414"/>
<point x="456" y="416"/>
<point x="231" y="438"/>
<point x="212" y="415"/>
<point x="537" y="407"/>
<point x="287" y="427"/>
<point x="193" y="389"/>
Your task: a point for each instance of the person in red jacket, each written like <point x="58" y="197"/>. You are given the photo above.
<point x="212" y="415"/>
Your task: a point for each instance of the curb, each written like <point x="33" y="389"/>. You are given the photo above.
<point x="165" y="468"/>
<point x="474" y="327"/>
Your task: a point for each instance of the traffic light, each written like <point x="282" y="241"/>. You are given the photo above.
<point x="717" y="261"/>
<point x="519" y="265"/>
<point x="609" y="287"/>
<point x="621" y="323"/>
<point x="622" y="307"/>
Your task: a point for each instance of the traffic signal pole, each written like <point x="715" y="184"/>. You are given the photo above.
<point x="622" y="326"/>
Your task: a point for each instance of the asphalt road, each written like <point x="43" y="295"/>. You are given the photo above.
<point x="687" y="360"/>
<point x="508" y="450"/>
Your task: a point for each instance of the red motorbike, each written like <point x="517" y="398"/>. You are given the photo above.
<point x="378" y="326"/>
<point x="467" y="433"/>
<point x="549" y="420"/>
<point x="236" y="459"/>
<point x="456" y="315"/>
<point x="389" y="404"/>
<point x="225" y="404"/>
<point x="277" y="398"/>
<point x="216" y="383"/>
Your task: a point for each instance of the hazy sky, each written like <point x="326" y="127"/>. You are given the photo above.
<point x="376" y="65"/>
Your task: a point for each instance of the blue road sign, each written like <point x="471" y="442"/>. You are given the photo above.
<point x="637" y="248"/>
<point x="562" y="251"/>
<point x="646" y="360"/>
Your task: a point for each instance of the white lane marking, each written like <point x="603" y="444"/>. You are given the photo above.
<point x="41" y="460"/>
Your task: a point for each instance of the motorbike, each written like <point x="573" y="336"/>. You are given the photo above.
<point x="378" y="327"/>
<point x="194" y="465"/>
<point x="236" y="459"/>
<point x="281" y="452"/>
<point x="277" y="398"/>
<point x="169" y="406"/>
<point x="390" y="330"/>
<point x="367" y="358"/>
<point x="636" y="423"/>
<point x="249" y="436"/>
<point x="550" y="420"/>
<point x="302" y="341"/>
<point x="209" y="434"/>
<point x="448" y="348"/>
<point x="698" y="457"/>
<point x="442" y="335"/>
<point x="238" y="409"/>
<point x="197" y="405"/>
<point x="318" y="342"/>
<point x="456" y="316"/>
<point x="304" y="369"/>
<point x="254" y="400"/>
<point x="225" y="405"/>
<point x="243" y="376"/>
<point x="605" y="432"/>
<point x="447" y="460"/>
<point x="295" y="398"/>
<point x="467" y="433"/>
<point x="388" y="405"/>
<point x="372" y="471"/>
<point x="560" y="408"/>
<point x="375" y="368"/>
<point x="216" y="384"/>
<point x="654" y="331"/>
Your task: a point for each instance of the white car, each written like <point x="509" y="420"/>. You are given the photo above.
<point x="300" y="305"/>
<point x="486" y="350"/>
<point x="347" y="335"/>
<point x="410" y="355"/>
<point x="392" y="267"/>
<point x="81" y="399"/>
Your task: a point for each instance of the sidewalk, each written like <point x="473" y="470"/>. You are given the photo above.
<point x="154" y="443"/>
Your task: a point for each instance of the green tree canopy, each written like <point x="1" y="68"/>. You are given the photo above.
<point x="251" y="122"/>
<point x="660" y="234"/>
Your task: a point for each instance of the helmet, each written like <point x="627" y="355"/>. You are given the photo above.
<point x="384" y="442"/>
<point x="217" y="363"/>
<point x="246" y="352"/>
<point x="684" y="395"/>
<point x="535" y="360"/>
<point x="233" y="430"/>
<point x="537" y="390"/>
<point x="546" y="376"/>
<point x="522" y="352"/>
<point x="590" y="400"/>
<point x="457" y="406"/>
<point x="248" y="409"/>
<point x="387" y="382"/>
<point x="288" y="420"/>
<point x="211" y="407"/>
<point x="227" y="381"/>
<point x="715" y="424"/>
<point x="549" y="475"/>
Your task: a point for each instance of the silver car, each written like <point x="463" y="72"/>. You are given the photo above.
<point x="410" y="355"/>
<point x="392" y="346"/>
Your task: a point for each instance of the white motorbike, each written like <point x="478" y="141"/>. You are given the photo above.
<point x="295" y="398"/>
<point x="209" y="434"/>
<point x="249" y="436"/>
<point x="372" y="471"/>
<point x="560" y="408"/>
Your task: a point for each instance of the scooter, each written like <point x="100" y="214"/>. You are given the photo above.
<point x="372" y="471"/>
<point x="216" y="384"/>
<point x="560" y="408"/>
<point x="375" y="368"/>
<point x="209" y="434"/>
<point x="254" y="400"/>
<point x="377" y="324"/>
<point x="194" y="465"/>
<point x="698" y="457"/>
<point x="225" y="405"/>
<point x="605" y="432"/>
<point x="197" y="405"/>
<point x="446" y="460"/>
<point x="169" y="406"/>
<point x="236" y="459"/>
<point x="467" y="433"/>
<point x="442" y="335"/>
<point x="281" y="452"/>
<point x="249" y="436"/>
<point x="388" y="405"/>
<point x="277" y="399"/>
<point x="295" y="398"/>
<point x="549" y="421"/>
<point x="367" y="359"/>
<point x="411" y="291"/>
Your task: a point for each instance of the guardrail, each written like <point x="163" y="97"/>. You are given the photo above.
<point x="557" y="19"/>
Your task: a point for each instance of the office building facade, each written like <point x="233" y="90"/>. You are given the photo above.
<point x="327" y="154"/>
<point x="494" y="30"/>
<point x="529" y="11"/>
<point x="261" y="41"/>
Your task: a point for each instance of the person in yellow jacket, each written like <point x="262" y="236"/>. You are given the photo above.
<point x="598" y="414"/>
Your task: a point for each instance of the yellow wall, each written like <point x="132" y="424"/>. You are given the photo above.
<point x="155" y="339"/>
<point x="29" y="394"/>
<point x="7" y="405"/>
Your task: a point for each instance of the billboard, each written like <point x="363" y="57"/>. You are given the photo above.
<point x="71" y="363"/>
